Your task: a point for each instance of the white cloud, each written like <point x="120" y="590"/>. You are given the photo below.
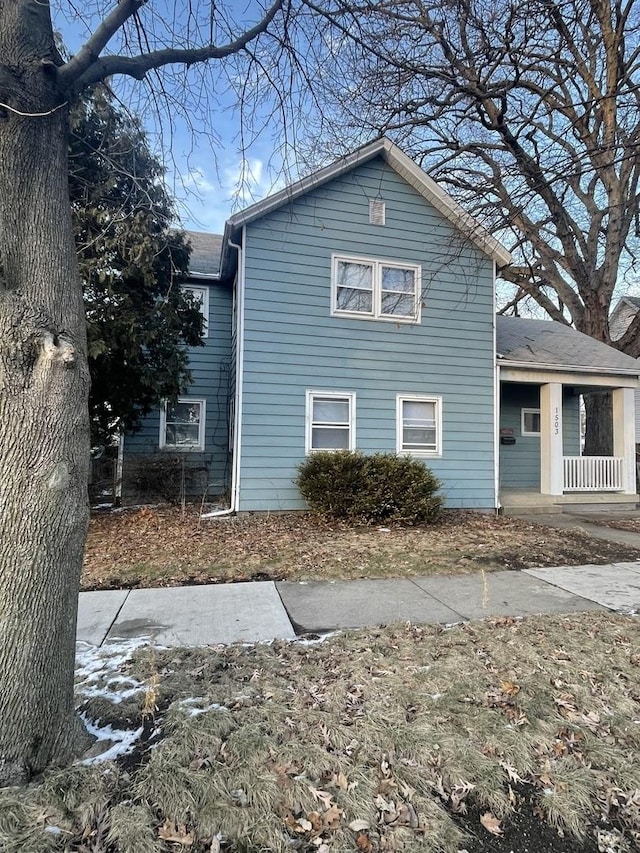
<point x="213" y="195"/>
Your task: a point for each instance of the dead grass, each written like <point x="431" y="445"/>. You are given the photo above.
<point x="401" y="739"/>
<point x="164" y="547"/>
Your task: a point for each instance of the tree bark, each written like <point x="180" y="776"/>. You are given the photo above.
<point x="44" y="430"/>
<point x="599" y="427"/>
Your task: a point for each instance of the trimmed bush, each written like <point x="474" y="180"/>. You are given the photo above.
<point x="383" y="487"/>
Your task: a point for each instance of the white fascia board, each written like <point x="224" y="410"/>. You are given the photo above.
<point x="566" y="368"/>
<point x="442" y="201"/>
<point x="407" y="169"/>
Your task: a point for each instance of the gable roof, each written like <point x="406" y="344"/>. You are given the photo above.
<point x="554" y="346"/>
<point x="626" y="309"/>
<point x="405" y="167"/>
<point x="206" y="249"/>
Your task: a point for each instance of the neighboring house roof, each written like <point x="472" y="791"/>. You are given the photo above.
<point x="554" y="346"/>
<point x="626" y="309"/>
<point x="405" y="167"/>
<point x="206" y="249"/>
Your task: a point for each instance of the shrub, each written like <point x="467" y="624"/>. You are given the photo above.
<point x="382" y="487"/>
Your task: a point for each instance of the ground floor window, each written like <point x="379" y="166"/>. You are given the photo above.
<point x="330" y="420"/>
<point x="182" y="424"/>
<point x="419" y="426"/>
<point x="530" y="422"/>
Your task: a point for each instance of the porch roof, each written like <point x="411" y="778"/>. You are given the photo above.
<point x="554" y="346"/>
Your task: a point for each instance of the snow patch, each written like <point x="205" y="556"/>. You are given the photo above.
<point x="123" y="741"/>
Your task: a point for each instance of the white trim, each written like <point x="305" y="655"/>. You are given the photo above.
<point x="419" y="398"/>
<point x="407" y="169"/>
<point x="496" y="398"/>
<point x="204" y="303"/>
<point x="523" y="375"/>
<point x="567" y="368"/>
<point x="237" y="424"/>
<point x="202" y="421"/>
<point x="311" y="394"/>
<point x="376" y="265"/>
<point x="528" y="411"/>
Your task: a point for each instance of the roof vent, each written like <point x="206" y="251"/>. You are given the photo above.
<point x="376" y="211"/>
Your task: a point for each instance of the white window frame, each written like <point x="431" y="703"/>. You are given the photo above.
<point x="174" y="448"/>
<point x="350" y="397"/>
<point x="418" y="398"/>
<point x="376" y="313"/>
<point x="523" y="430"/>
<point x="200" y="290"/>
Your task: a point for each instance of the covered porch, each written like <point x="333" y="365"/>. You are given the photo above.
<point x="541" y="465"/>
<point x="544" y="370"/>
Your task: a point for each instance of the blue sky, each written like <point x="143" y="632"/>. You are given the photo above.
<point x="210" y="173"/>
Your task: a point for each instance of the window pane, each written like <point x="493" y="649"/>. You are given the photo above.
<point x="355" y="275"/>
<point x="532" y="421"/>
<point x="184" y="413"/>
<point x="330" y="438"/>
<point x="398" y="304"/>
<point x="419" y="428"/>
<point x="418" y="410"/>
<point x="350" y="299"/>
<point x="183" y="435"/>
<point x="402" y="280"/>
<point x="329" y="410"/>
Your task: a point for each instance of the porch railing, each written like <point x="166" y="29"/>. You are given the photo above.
<point x="592" y="473"/>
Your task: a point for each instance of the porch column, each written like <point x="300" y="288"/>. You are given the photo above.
<point x="624" y="435"/>
<point x="551" y="464"/>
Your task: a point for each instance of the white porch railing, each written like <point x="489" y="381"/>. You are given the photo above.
<point x="593" y="473"/>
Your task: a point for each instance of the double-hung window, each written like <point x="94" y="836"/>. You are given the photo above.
<point x="182" y="424"/>
<point x="419" y="427"/>
<point x="379" y="290"/>
<point x="330" y="420"/>
<point x="201" y="297"/>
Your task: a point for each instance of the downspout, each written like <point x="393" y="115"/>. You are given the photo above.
<point x="237" y="419"/>
<point x="496" y="401"/>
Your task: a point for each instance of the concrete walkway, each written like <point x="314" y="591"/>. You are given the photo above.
<point x="593" y="523"/>
<point x="259" y="612"/>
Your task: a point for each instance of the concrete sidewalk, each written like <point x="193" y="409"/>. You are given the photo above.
<point x="263" y="611"/>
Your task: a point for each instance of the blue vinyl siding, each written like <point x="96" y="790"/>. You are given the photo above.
<point x="292" y="344"/>
<point x="520" y="462"/>
<point x="211" y="370"/>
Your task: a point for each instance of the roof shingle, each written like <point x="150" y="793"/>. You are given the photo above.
<point x="545" y="342"/>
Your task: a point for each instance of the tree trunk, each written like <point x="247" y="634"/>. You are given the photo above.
<point x="44" y="432"/>
<point x="599" y="427"/>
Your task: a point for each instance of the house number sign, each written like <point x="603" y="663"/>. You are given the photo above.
<point x="556" y="422"/>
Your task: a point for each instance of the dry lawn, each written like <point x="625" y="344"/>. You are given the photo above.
<point x="489" y="736"/>
<point x="165" y="547"/>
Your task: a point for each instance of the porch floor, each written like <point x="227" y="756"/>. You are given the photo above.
<point x="516" y="501"/>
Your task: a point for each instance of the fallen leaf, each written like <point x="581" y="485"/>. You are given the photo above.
<point x="363" y="843"/>
<point x="169" y="831"/>
<point x="331" y="817"/>
<point x="491" y="823"/>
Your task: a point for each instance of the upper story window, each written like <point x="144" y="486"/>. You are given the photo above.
<point x="201" y="296"/>
<point x="380" y="290"/>
<point x="182" y="424"/>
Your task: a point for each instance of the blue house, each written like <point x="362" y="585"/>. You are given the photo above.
<point x="356" y="309"/>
